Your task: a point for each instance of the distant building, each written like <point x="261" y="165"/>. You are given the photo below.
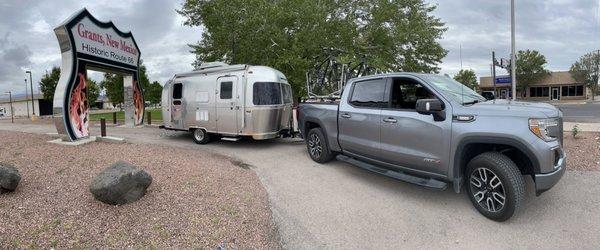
<point x="557" y="86"/>
<point x="20" y="103"/>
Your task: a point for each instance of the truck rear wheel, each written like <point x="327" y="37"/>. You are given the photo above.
<point x="495" y="185"/>
<point x="317" y="146"/>
<point x="200" y="136"/>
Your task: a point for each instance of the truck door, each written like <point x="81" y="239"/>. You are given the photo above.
<point x="359" y="118"/>
<point x="410" y="139"/>
<point x="177" y="105"/>
<point x="227" y="105"/>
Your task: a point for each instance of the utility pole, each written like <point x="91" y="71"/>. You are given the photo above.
<point x="26" y="99"/>
<point x="460" y="54"/>
<point x="513" y="56"/>
<point x="494" y="71"/>
<point x="597" y="74"/>
<point x="31" y="84"/>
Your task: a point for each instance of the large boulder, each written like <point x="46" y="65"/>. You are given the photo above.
<point x="120" y="183"/>
<point x="9" y="178"/>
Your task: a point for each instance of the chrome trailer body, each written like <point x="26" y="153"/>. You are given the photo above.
<point x="229" y="100"/>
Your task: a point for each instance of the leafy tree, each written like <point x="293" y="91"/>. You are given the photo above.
<point x="48" y="83"/>
<point x="93" y="91"/>
<point x="467" y="77"/>
<point x="530" y="68"/>
<point x="50" y="80"/>
<point x="395" y="35"/>
<point x="586" y="69"/>
<point x="153" y="93"/>
<point x="113" y="85"/>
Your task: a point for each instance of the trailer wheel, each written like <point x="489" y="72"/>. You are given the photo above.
<point x="200" y="136"/>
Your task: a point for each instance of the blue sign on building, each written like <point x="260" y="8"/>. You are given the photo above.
<point x="503" y="80"/>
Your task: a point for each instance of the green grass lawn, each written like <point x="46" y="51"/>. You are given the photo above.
<point x="155" y="113"/>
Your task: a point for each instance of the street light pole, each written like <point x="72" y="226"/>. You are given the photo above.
<point x="26" y="98"/>
<point x="513" y="59"/>
<point x="31" y="84"/>
<point x="12" y="115"/>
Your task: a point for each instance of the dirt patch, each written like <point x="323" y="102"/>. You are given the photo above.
<point x="583" y="152"/>
<point x="196" y="200"/>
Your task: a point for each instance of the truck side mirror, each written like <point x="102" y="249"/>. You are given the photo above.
<point x="433" y="107"/>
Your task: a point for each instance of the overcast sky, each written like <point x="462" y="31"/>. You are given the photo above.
<point x="562" y="30"/>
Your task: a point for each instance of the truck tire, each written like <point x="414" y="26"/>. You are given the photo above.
<point x="317" y="147"/>
<point x="200" y="136"/>
<point x="495" y="185"/>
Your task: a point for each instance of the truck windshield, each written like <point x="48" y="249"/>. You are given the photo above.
<point x="455" y="90"/>
<point x="266" y="93"/>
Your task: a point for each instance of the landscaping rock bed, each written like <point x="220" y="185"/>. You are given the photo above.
<point x="196" y="200"/>
<point x="583" y="151"/>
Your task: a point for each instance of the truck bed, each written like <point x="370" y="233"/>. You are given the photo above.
<point x="323" y="114"/>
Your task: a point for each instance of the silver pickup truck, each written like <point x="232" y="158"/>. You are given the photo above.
<point x="432" y="131"/>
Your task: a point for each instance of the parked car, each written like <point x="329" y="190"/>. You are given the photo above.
<point x="432" y="131"/>
<point x="229" y="102"/>
<point x="488" y="95"/>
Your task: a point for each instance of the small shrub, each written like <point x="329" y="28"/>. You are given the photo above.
<point x="575" y="131"/>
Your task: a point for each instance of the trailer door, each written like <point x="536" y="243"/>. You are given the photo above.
<point x="177" y="105"/>
<point x="228" y="105"/>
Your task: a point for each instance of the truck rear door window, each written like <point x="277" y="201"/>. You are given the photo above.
<point x="370" y="93"/>
<point x="266" y="93"/>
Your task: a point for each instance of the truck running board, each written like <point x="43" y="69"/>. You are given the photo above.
<point x="430" y="183"/>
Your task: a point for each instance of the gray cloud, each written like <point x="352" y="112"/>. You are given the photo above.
<point x="155" y="25"/>
<point x="562" y="30"/>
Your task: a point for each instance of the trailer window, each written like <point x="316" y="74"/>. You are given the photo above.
<point x="287" y="93"/>
<point x="226" y="90"/>
<point x="177" y="91"/>
<point x="266" y="93"/>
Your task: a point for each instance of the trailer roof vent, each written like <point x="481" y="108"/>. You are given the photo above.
<point x="210" y="65"/>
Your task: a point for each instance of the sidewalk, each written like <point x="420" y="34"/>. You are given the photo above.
<point x="585" y="127"/>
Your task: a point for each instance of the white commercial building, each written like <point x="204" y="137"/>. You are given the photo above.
<point x="21" y="106"/>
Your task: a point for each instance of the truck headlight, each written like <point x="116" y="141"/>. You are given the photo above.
<point x="540" y="127"/>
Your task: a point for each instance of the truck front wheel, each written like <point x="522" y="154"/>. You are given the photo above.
<point x="317" y="146"/>
<point x="495" y="185"/>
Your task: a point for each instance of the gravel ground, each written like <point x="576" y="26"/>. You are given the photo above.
<point x="583" y="152"/>
<point x="196" y="200"/>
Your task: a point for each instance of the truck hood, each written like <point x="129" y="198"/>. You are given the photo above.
<point x="513" y="108"/>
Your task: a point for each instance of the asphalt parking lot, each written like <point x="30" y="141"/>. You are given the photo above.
<point x="336" y="205"/>
<point x="584" y="113"/>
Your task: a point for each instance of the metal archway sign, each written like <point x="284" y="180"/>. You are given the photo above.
<point x="86" y="43"/>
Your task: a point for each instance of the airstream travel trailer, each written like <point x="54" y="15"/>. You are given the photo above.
<point x="229" y="102"/>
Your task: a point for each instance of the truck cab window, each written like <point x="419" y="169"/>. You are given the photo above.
<point x="406" y="92"/>
<point x="370" y="93"/>
<point x="226" y="90"/>
<point x="177" y="91"/>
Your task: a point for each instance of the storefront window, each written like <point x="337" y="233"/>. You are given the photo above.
<point x="572" y="90"/>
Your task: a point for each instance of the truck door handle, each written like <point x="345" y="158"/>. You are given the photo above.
<point x="390" y="120"/>
<point x="345" y="115"/>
